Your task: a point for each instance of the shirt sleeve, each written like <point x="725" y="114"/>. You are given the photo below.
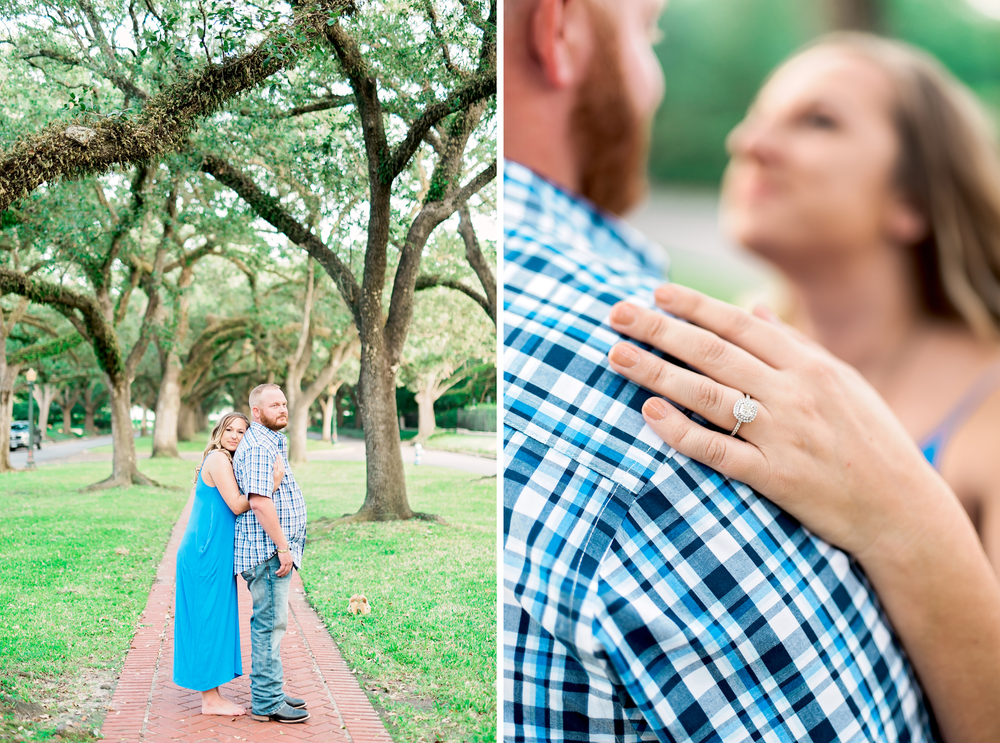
<point x="258" y="471"/>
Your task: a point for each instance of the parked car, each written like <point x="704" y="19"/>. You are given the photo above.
<point x="19" y="436"/>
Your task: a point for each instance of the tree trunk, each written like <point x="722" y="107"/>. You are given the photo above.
<point x="168" y="407"/>
<point x="143" y="430"/>
<point x="8" y="373"/>
<point x="298" y="430"/>
<point x="44" y="395"/>
<point x="425" y="410"/>
<point x="329" y="407"/>
<point x="124" y="471"/>
<point x="359" y="404"/>
<point x="67" y="401"/>
<point x="342" y="394"/>
<point x="67" y="416"/>
<point x="385" y="492"/>
<point x="89" y="429"/>
<point x="187" y="422"/>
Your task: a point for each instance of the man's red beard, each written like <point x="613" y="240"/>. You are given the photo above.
<point x="272" y="423"/>
<point x="609" y="139"/>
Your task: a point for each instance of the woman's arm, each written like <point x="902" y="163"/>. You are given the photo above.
<point x="825" y="447"/>
<point x="220" y="468"/>
<point x="279" y="472"/>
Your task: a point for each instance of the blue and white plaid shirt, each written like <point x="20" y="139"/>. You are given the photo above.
<point x="646" y="597"/>
<point x="253" y="466"/>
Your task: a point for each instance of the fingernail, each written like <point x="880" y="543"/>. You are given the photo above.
<point x="622" y="313"/>
<point x="625" y="355"/>
<point x="655" y="408"/>
<point x="664" y="294"/>
<point x="765" y="313"/>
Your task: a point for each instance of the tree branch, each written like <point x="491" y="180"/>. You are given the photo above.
<point x="269" y="209"/>
<point x="431" y="215"/>
<point x="429" y="281"/>
<point x="477" y="89"/>
<point x="323" y="104"/>
<point x="479" y="264"/>
<point x="83" y="146"/>
<point x="90" y="323"/>
<point x="365" y="89"/>
<point x="45" y="350"/>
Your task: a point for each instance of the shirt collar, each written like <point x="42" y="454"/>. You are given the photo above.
<point x="572" y="220"/>
<point x="262" y="430"/>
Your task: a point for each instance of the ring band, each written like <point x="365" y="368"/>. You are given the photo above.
<point x="745" y="411"/>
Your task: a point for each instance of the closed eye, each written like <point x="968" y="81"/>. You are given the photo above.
<point x="819" y="120"/>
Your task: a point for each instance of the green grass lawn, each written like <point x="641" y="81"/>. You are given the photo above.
<point x="70" y="596"/>
<point x="427" y="652"/>
<point x="144" y="445"/>
<point x="77" y="569"/>
<point x="54" y="434"/>
<point x="465" y="442"/>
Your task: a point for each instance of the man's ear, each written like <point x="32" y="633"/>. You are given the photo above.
<point x="559" y="40"/>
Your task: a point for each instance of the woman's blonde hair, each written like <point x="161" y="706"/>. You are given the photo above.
<point x="215" y="440"/>
<point x="949" y="168"/>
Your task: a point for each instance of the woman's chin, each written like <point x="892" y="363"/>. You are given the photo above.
<point x="766" y="245"/>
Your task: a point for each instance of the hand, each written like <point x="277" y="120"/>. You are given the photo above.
<point x="824" y="445"/>
<point x="279" y="472"/>
<point x="286" y="564"/>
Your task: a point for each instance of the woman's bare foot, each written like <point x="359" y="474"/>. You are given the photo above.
<point x="213" y="703"/>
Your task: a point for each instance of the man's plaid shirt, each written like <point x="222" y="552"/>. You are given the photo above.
<point x="645" y="596"/>
<point x="253" y="466"/>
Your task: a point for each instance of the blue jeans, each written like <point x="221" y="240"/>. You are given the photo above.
<point x="267" y="628"/>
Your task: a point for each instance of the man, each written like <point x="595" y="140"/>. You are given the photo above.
<point x="270" y="538"/>
<point x="646" y="597"/>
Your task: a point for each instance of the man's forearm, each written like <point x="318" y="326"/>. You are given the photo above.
<point x="267" y="516"/>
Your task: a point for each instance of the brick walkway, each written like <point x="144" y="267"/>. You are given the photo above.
<point x="148" y="708"/>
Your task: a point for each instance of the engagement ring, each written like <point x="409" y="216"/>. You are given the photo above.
<point x="745" y="411"/>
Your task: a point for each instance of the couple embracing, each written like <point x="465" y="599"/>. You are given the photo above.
<point x="248" y="518"/>
<point x="718" y="528"/>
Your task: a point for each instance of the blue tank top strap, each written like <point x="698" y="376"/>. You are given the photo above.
<point x="934" y="443"/>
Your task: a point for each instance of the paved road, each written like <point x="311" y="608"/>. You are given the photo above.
<point x="50" y="453"/>
<point x="353" y="450"/>
<point x="348" y="450"/>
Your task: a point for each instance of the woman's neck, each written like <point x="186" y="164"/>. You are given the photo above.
<point x="864" y="309"/>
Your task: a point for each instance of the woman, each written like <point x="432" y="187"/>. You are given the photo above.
<point x="870" y="179"/>
<point x="206" y="617"/>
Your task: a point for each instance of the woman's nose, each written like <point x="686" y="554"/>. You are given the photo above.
<point x="754" y="137"/>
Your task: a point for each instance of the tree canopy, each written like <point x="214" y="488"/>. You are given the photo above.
<point x="149" y="147"/>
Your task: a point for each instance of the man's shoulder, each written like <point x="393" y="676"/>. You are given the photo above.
<point x="558" y="386"/>
<point x="540" y="215"/>
<point x="252" y="443"/>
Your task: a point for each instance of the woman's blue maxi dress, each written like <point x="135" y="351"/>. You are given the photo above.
<point x="206" y="616"/>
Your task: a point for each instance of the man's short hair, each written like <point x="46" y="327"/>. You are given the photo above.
<point x="257" y="392"/>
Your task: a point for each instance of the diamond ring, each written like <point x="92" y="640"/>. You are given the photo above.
<point x="745" y="411"/>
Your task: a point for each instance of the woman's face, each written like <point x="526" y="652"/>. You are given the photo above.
<point x="233" y="434"/>
<point x="811" y="168"/>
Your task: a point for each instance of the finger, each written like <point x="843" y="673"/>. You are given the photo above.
<point x="760" y="338"/>
<point x="769" y="317"/>
<point x="725" y="454"/>
<point x="702" y="349"/>
<point x="712" y="401"/>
